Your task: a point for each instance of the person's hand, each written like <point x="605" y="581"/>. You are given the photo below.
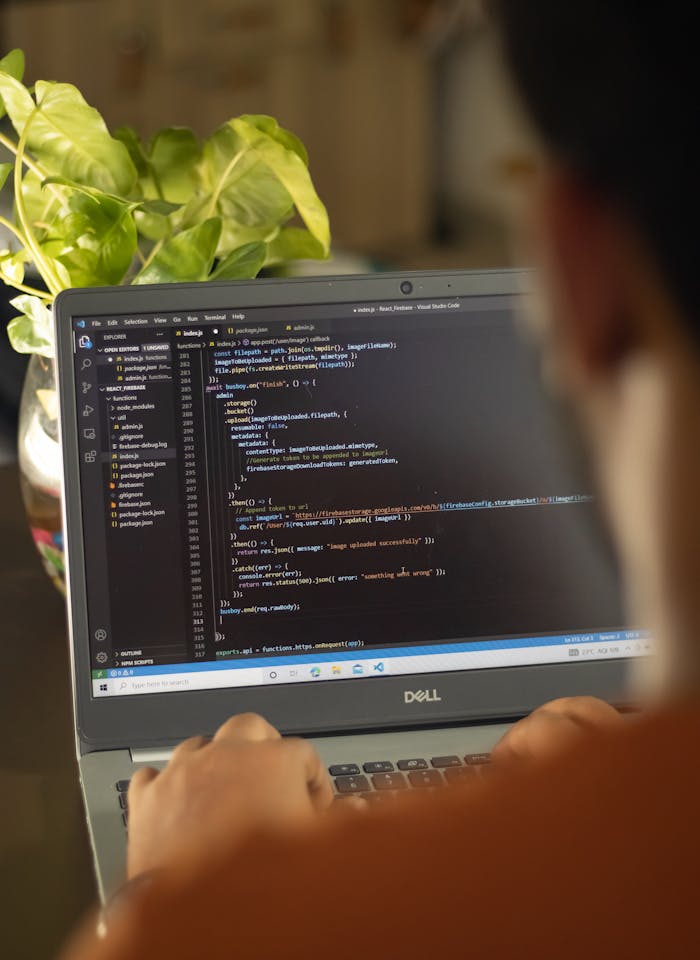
<point x="553" y="728"/>
<point x="213" y="791"/>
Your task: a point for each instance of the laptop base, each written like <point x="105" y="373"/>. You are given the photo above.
<point x="100" y="772"/>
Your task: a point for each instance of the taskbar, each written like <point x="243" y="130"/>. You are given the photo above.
<point x="310" y="668"/>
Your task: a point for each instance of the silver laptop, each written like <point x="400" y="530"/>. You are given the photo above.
<point x="336" y="502"/>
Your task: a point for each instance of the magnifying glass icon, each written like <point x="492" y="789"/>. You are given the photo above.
<point x="122" y="686"/>
<point x="87" y="362"/>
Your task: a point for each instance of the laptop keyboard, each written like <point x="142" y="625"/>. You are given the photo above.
<point x="380" y="779"/>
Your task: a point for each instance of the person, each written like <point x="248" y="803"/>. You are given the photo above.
<point x="582" y="840"/>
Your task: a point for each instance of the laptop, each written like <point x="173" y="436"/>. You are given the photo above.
<point x="337" y="502"/>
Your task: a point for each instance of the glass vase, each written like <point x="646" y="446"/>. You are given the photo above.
<point x="40" y="465"/>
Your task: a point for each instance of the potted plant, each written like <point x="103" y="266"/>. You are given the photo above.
<point x="94" y="208"/>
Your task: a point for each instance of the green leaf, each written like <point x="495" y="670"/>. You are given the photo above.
<point x="173" y="154"/>
<point x="241" y="189"/>
<point x="161" y="207"/>
<point x="243" y="264"/>
<point x="152" y="226"/>
<point x="188" y="256"/>
<point x="13" y="66"/>
<point x="154" y="219"/>
<point x="269" y="126"/>
<point x="233" y="233"/>
<point x="13" y="63"/>
<point x="82" y="188"/>
<point x="32" y="331"/>
<point x="70" y="139"/>
<point x="12" y="266"/>
<point x="52" y="247"/>
<point x="294" y="243"/>
<point x="233" y="236"/>
<point x="167" y="165"/>
<point x="131" y="140"/>
<point x="150" y="216"/>
<point x="98" y="237"/>
<point x="291" y="171"/>
<point x="5" y="169"/>
<point x="40" y="205"/>
<point x="15" y="100"/>
<point x="248" y="187"/>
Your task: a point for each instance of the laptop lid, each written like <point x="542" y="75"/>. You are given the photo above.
<point x="335" y="501"/>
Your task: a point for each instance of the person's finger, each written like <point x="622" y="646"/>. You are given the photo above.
<point x="140" y="779"/>
<point x="190" y="745"/>
<point x="317" y="780"/>
<point x="531" y="736"/>
<point x="246" y="726"/>
<point x="553" y="726"/>
<point x="587" y="711"/>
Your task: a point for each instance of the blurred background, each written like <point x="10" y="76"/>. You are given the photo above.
<point x="404" y="123"/>
<point x="389" y="96"/>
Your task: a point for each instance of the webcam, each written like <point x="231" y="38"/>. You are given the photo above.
<point x="406" y="287"/>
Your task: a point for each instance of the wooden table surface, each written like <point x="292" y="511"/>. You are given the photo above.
<point x="46" y="879"/>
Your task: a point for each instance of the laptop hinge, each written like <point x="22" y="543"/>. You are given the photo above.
<point x="151" y="754"/>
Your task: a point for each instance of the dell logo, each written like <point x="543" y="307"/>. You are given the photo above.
<point x="421" y="696"/>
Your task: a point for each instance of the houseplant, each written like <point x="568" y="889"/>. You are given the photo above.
<point x="95" y="208"/>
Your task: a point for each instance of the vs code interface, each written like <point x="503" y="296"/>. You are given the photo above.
<point x="302" y="494"/>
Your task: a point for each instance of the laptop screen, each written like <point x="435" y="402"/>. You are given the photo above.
<point x="305" y="494"/>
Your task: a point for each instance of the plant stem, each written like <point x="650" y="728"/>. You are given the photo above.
<point x="31" y="165"/>
<point x="41" y="294"/>
<point x="42" y="174"/>
<point x="152" y="255"/>
<point x="27" y="161"/>
<point x="22" y="286"/>
<point x="13" y="229"/>
<point x="50" y="278"/>
<point x="156" y="182"/>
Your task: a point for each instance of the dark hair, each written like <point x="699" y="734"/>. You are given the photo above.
<point x="611" y="86"/>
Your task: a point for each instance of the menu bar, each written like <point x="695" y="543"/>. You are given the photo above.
<point x="297" y="318"/>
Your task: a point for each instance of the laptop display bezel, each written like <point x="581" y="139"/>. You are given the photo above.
<point x="329" y="706"/>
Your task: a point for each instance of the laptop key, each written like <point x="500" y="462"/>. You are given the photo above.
<point x="412" y="764"/>
<point x="378" y="766"/>
<point x="125" y="819"/>
<point x="123" y="802"/>
<point x="344" y="770"/>
<point x="440" y="762"/>
<point x="122" y="785"/>
<point x="389" y="781"/>
<point x="352" y="784"/>
<point x="425" y="778"/>
<point x="476" y="759"/>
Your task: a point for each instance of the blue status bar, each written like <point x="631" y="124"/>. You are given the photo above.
<point x="367" y="653"/>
